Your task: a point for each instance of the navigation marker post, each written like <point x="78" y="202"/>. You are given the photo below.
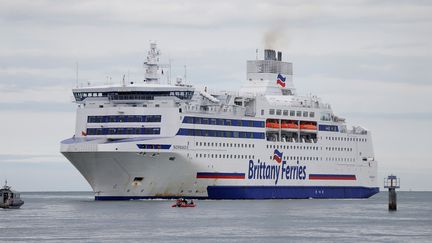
<point x="392" y="182"/>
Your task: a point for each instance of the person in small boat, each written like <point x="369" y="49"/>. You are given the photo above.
<point x="191" y="202"/>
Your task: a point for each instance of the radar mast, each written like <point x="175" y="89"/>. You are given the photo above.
<point x="152" y="64"/>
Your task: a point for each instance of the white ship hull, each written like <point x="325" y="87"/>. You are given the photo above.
<point x="112" y="174"/>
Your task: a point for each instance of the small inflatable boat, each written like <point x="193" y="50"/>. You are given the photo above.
<point x="183" y="203"/>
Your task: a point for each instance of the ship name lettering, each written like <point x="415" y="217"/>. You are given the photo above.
<point x="180" y="147"/>
<point x="265" y="171"/>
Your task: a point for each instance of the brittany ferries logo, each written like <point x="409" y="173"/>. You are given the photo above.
<point x="277" y="156"/>
<point x="280" y="171"/>
<point x="281" y="80"/>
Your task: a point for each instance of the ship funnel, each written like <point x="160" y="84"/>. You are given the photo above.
<point x="269" y="54"/>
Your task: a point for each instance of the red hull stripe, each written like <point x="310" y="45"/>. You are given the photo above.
<point x="218" y="175"/>
<point x="332" y="177"/>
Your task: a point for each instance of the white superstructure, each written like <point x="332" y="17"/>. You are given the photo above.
<point x="154" y="140"/>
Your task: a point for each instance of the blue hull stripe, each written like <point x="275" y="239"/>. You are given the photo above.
<point x="289" y="192"/>
<point x="154" y="146"/>
<point x="268" y="192"/>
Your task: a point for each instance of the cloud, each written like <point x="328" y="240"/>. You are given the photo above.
<point x="371" y="67"/>
<point x="35" y="132"/>
<point x="35" y="158"/>
<point x="199" y="14"/>
<point x="43" y="176"/>
<point x="368" y="96"/>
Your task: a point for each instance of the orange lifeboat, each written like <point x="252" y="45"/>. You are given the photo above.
<point x="290" y="125"/>
<point x="308" y="127"/>
<point x="272" y="125"/>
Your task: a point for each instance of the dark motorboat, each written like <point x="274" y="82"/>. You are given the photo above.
<point x="9" y="198"/>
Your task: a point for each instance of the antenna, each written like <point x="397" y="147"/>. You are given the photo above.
<point x="76" y="69"/>
<point x="124" y="84"/>
<point x="256" y="54"/>
<point x="185" y="73"/>
<point x="169" y="73"/>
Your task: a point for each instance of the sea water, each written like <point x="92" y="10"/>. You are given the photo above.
<point x="75" y="216"/>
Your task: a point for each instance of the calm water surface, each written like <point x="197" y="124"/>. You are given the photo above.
<point x="75" y="216"/>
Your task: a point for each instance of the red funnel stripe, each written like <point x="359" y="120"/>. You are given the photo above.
<point x="280" y="83"/>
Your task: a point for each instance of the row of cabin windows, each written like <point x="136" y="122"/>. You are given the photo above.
<point x="279" y="112"/>
<point x="292" y="158"/>
<point x="334" y="159"/>
<point x="206" y="108"/>
<point x="222" y="122"/>
<point x="328" y="159"/>
<point x="128" y="118"/>
<point x="225" y="156"/>
<point x="123" y="131"/>
<point x="301" y="158"/>
<point x="236" y="145"/>
<point x="338" y="149"/>
<point x="292" y="147"/>
<point x="347" y="139"/>
<point x="218" y="133"/>
<point x="298" y="158"/>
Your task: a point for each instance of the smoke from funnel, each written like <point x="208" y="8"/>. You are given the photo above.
<point x="270" y="39"/>
<point x="275" y="39"/>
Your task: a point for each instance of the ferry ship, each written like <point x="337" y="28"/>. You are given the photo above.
<point x="157" y="139"/>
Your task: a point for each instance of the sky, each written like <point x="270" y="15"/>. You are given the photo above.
<point x="370" y="60"/>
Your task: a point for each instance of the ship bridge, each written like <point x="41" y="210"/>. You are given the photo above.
<point x="133" y="93"/>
